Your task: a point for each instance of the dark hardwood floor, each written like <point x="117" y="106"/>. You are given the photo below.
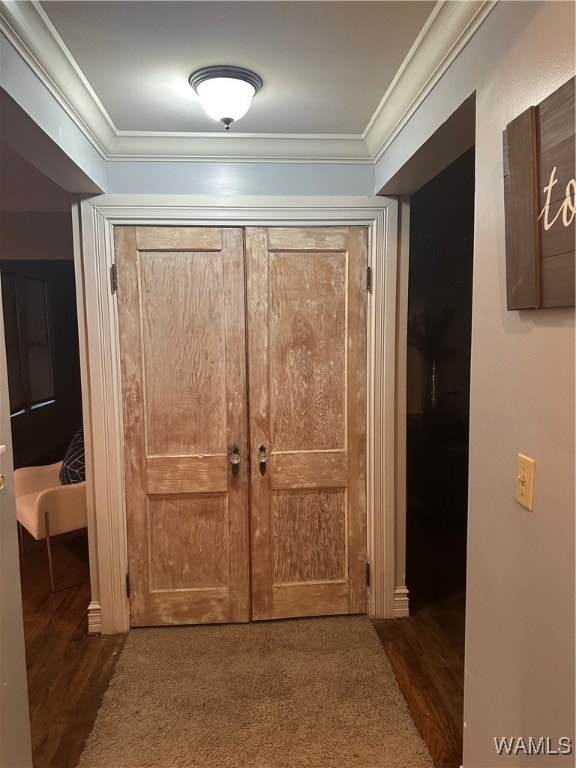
<point x="68" y="671"/>
<point x="426" y="651"/>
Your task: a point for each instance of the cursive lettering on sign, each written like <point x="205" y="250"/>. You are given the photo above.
<point x="568" y="208"/>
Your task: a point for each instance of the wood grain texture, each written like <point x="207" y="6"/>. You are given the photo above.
<point x="184" y="353"/>
<point x="198" y="606"/>
<point x="183" y="337"/>
<point x="189" y="539"/>
<point x="237" y="433"/>
<point x="306" y="332"/>
<point x="307" y="239"/>
<point x="521" y="204"/>
<point x="314" y="469"/>
<point x="557" y="240"/>
<point x="557" y="123"/>
<point x="312" y="599"/>
<point x="257" y="289"/>
<point x="299" y="517"/>
<point x="427" y="655"/>
<point x="187" y="474"/>
<point x="308" y="339"/>
<point x="181" y="322"/>
<point x="547" y="133"/>
<point x="558" y="257"/>
<point x="68" y="671"/>
<point x="558" y="287"/>
<point x="560" y="159"/>
<point x="178" y="238"/>
<point x="133" y="415"/>
<point x="556" y="116"/>
<point x="356" y="406"/>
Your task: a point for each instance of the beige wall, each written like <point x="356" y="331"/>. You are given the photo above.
<point x="36" y="235"/>
<point x="15" y="749"/>
<point x="519" y="678"/>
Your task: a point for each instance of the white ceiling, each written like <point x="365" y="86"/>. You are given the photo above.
<point x="341" y="79"/>
<point x="325" y="65"/>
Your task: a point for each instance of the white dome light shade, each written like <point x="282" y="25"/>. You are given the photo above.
<point x="225" y="92"/>
<point x="224" y="97"/>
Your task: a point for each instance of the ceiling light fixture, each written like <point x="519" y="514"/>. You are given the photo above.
<point x="225" y="92"/>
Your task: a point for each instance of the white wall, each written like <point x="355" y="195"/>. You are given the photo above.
<point x="15" y="749"/>
<point x="519" y="678"/>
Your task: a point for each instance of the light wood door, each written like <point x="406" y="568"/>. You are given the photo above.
<point x="306" y="299"/>
<point x="182" y="342"/>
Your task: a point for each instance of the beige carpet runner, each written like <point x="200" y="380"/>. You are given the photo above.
<point x="305" y="693"/>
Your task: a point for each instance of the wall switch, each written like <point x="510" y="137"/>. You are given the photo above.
<point x="525" y="481"/>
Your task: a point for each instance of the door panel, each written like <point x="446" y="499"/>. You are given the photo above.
<point x="185" y="404"/>
<point x="182" y="338"/>
<point x="182" y="319"/>
<point x="299" y="518"/>
<point x="307" y="374"/>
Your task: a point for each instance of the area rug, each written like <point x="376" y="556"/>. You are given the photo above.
<point x="303" y="693"/>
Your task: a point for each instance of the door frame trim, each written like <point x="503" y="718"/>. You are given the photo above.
<point x="109" y="609"/>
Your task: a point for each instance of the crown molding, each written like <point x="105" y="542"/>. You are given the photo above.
<point x="240" y="147"/>
<point x="30" y="31"/>
<point x="449" y="28"/>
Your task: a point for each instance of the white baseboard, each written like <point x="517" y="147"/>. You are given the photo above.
<point x="94" y="619"/>
<point x="401" y="602"/>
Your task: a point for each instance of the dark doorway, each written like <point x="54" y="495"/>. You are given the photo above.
<point x="42" y="350"/>
<point x="438" y="386"/>
<point x="40" y="315"/>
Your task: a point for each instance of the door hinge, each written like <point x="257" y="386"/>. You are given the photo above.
<point x="128" y="586"/>
<point x="367" y="574"/>
<point x="113" y="278"/>
<point x="369" y="279"/>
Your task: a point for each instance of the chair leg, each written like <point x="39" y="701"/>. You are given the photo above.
<point x="49" y="551"/>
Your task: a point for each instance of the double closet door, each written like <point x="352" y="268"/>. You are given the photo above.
<point x="243" y="364"/>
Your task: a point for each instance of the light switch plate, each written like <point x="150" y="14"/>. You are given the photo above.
<point x="525" y="481"/>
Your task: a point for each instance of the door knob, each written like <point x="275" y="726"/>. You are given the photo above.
<point x="262" y="459"/>
<point x="235" y="460"/>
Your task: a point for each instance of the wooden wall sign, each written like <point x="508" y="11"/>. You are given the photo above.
<point x="540" y="203"/>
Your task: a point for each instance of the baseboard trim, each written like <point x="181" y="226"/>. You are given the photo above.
<point x="401" y="602"/>
<point x="94" y="619"/>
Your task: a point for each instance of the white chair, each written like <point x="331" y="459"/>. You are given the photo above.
<point x="46" y="508"/>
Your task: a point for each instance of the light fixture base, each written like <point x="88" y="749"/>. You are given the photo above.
<point x="235" y="73"/>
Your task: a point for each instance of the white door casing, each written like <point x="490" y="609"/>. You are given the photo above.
<point x="109" y="609"/>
